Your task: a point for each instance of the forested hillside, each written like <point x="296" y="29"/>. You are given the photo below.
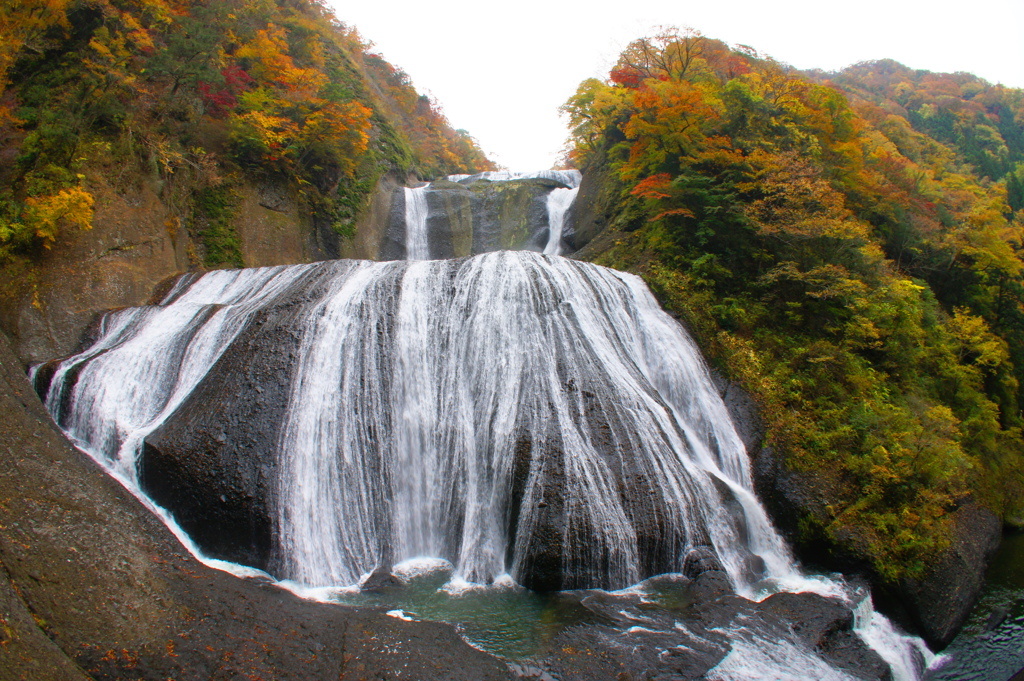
<point x="201" y="96"/>
<point x="848" y="247"/>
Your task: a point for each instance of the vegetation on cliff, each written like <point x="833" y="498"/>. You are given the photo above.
<point x="849" y="247"/>
<point x="202" y="94"/>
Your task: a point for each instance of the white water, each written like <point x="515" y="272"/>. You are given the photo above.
<point x="149" y="359"/>
<point x="417" y="246"/>
<point x="907" y="656"/>
<point x="400" y="445"/>
<point x="754" y="657"/>
<point x="482" y="354"/>
<point x="558" y="203"/>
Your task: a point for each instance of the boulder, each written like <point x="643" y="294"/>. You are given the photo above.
<point x="212" y="463"/>
<point x="940" y="602"/>
<point x="826" y="625"/>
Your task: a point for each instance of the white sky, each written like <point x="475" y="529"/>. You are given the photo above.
<point x="501" y="69"/>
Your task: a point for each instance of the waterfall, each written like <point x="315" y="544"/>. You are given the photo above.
<point x="517" y="415"/>
<point x="558" y="204"/>
<point x="416" y="212"/>
<point x="149" y="359"/>
<point x="420" y="421"/>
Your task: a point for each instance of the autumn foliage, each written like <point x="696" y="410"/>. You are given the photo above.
<point x="849" y="246"/>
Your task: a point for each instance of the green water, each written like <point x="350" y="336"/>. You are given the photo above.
<point x="520" y="625"/>
<point x="991" y="645"/>
<point x="511" y="622"/>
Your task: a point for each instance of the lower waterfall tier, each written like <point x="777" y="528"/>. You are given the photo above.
<point x="510" y="413"/>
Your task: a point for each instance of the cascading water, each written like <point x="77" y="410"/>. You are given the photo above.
<point x="558" y="201"/>
<point x="570" y="178"/>
<point x="514" y="414"/>
<point x="558" y="204"/>
<point x="148" y="359"/>
<point x="471" y="214"/>
<point x="416" y="245"/>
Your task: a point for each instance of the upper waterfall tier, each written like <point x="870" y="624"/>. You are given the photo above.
<point x="509" y="412"/>
<point x="464" y="215"/>
<point x="569" y="178"/>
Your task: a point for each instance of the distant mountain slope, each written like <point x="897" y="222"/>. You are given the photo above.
<point x="981" y="122"/>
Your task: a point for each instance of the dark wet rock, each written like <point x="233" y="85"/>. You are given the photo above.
<point x="212" y="463"/>
<point x="381" y="580"/>
<point x="940" y="602"/>
<point x="561" y="552"/>
<point x="636" y="637"/>
<point x="700" y="560"/>
<point x="997" y="617"/>
<point x="755" y="568"/>
<point x="546" y="562"/>
<point x="743" y="410"/>
<point x="594" y="206"/>
<point x="814" y="618"/>
<point x="710" y="586"/>
<point x="709" y="580"/>
<point x="826" y="625"/>
<point x="598" y="652"/>
<point x="392" y="237"/>
<point x="87" y="570"/>
<point x="44" y="376"/>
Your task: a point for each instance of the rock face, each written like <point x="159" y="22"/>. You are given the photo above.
<point x="214" y="463"/>
<point x="139" y="239"/>
<point x="940" y="602"/>
<point x="594" y="207"/>
<point x="690" y="634"/>
<point x="935" y="606"/>
<point x="87" y="570"/>
<point x="826" y="625"/>
<point x="92" y="585"/>
<point x="551" y="558"/>
<point x="352" y="405"/>
<point x="217" y="461"/>
<point x="133" y="246"/>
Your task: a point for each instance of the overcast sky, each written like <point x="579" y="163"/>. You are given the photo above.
<point x="501" y="69"/>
